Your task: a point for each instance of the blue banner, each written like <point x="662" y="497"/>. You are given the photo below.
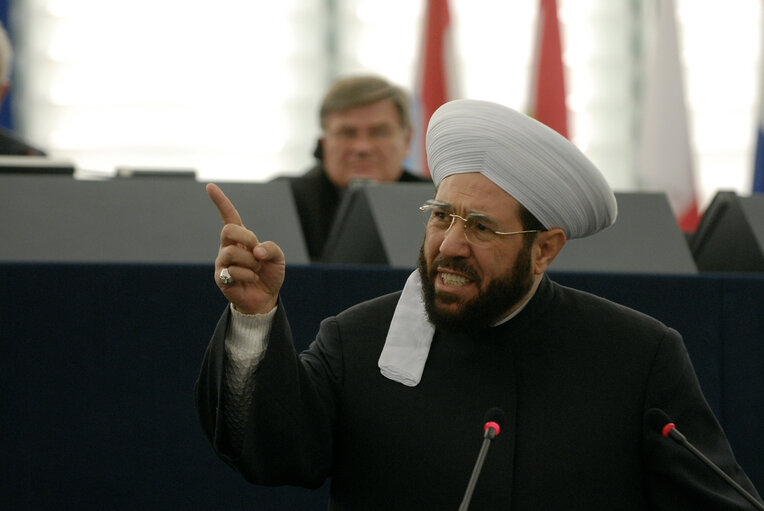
<point x="5" y="106"/>
<point x="758" y="170"/>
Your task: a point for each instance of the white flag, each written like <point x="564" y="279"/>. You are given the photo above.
<point x="665" y="159"/>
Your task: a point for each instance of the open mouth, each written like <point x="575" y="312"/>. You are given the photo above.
<point x="452" y="279"/>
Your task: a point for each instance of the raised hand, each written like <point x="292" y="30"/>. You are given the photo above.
<point x="257" y="269"/>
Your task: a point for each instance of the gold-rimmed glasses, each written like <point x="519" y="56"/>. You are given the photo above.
<point x="478" y="229"/>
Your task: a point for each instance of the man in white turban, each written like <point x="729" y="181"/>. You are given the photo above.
<point x="387" y="398"/>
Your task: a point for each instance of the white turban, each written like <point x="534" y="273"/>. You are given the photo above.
<point x="537" y="166"/>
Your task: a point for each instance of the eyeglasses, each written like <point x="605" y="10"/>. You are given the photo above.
<point x="440" y="216"/>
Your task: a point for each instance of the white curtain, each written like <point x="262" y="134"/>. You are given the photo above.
<point x="231" y="88"/>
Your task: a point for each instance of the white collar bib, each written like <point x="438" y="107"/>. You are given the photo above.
<point x="410" y="335"/>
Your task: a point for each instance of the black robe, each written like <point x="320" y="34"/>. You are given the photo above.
<point x="574" y="373"/>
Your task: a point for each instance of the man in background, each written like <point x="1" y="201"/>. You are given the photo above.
<point x="10" y="143"/>
<point x="366" y="136"/>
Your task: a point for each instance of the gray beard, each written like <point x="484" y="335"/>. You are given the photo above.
<point x="489" y="306"/>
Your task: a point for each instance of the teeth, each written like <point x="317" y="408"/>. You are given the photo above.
<point x="453" y="280"/>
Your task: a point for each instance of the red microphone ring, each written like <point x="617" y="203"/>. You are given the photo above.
<point x="667" y="428"/>
<point x="492" y="424"/>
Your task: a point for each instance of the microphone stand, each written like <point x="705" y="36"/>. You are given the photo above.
<point x="490" y="434"/>
<point x="682" y="440"/>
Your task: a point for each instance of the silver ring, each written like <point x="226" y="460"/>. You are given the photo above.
<point x="225" y="277"/>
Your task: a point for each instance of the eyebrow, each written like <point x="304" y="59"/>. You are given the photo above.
<point x="483" y="218"/>
<point x="470" y="214"/>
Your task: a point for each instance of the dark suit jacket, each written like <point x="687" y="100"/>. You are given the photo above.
<point x="317" y="200"/>
<point x="12" y="145"/>
<point x="574" y="373"/>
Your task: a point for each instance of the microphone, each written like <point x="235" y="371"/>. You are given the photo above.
<point x="491" y="429"/>
<point x="658" y="420"/>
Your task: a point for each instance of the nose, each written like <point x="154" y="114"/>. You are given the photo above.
<point x="362" y="143"/>
<point x="455" y="243"/>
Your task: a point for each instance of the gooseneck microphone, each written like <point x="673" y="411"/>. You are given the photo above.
<point x="660" y="422"/>
<point x="491" y="429"/>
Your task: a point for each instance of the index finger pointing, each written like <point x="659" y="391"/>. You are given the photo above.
<point x="228" y="213"/>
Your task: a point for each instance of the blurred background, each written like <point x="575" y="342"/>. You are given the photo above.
<point x="108" y="300"/>
<point x="231" y="89"/>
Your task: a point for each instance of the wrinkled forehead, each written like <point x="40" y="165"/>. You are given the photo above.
<point x="472" y="192"/>
<point x="375" y="113"/>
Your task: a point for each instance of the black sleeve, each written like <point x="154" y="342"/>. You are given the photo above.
<point x="675" y="478"/>
<point x="288" y="434"/>
<point x="208" y="387"/>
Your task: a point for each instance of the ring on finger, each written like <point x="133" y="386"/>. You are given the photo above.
<point x="225" y="277"/>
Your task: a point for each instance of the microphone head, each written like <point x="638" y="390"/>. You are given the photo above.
<point x="659" y="421"/>
<point x="493" y="419"/>
<point x="496" y="415"/>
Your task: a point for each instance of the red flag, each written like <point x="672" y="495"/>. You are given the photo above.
<point x="665" y="159"/>
<point x="547" y="92"/>
<point x="436" y="80"/>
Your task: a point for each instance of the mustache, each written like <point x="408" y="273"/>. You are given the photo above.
<point x="456" y="264"/>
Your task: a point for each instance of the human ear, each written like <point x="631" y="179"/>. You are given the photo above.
<point x="546" y="246"/>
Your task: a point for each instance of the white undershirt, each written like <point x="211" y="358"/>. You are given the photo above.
<point x="245" y="344"/>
